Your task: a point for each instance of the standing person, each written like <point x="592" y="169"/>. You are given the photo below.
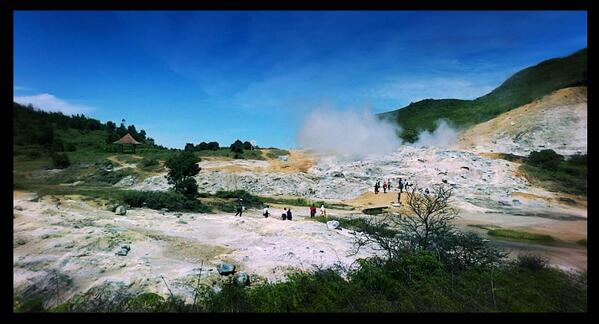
<point x="323" y="211"/>
<point x="265" y="212"/>
<point x="312" y="211"/>
<point x="284" y="214"/>
<point x="389" y="184"/>
<point x="289" y="214"/>
<point x="239" y="207"/>
<point x="385" y="186"/>
<point x="376" y="188"/>
<point x="400" y="186"/>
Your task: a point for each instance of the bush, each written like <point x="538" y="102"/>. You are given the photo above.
<point x="157" y="200"/>
<point x="249" y="200"/>
<point x="33" y="155"/>
<point x="545" y="159"/>
<point x="70" y="147"/>
<point x="60" y="161"/>
<point x="532" y="262"/>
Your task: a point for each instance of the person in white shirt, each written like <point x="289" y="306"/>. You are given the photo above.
<point x="265" y="212"/>
<point x="323" y="211"/>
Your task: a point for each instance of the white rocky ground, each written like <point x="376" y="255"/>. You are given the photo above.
<point x="481" y="184"/>
<point x="557" y="121"/>
<point x="72" y="245"/>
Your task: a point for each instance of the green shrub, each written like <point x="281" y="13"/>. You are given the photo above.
<point x="545" y="159"/>
<point x="60" y="160"/>
<point x="532" y="262"/>
<point x="173" y="201"/>
<point x="249" y="200"/>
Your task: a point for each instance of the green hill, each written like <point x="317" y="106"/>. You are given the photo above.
<point x="521" y="88"/>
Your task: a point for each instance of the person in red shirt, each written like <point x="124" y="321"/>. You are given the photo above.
<point x="312" y="211"/>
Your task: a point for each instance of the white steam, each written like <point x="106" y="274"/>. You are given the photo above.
<point x="347" y="133"/>
<point x="444" y="136"/>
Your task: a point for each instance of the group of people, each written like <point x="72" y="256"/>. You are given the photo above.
<point x="287" y="215"/>
<point x="402" y="184"/>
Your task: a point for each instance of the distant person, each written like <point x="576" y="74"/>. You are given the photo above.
<point x="289" y="214"/>
<point x="376" y="188"/>
<point x="312" y="211"/>
<point x="239" y="207"/>
<point x="385" y="186"/>
<point x="400" y="186"/>
<point x="284" y="214"/>
<point x="265" y="212"/>
<point x="389" y="184"/>
<point x="323" y="211"/>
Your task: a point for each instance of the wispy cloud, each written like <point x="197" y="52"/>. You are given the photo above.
<point x="49" y="102"/>
<point x="19" y="88"/>
<point x="435" y="88"/>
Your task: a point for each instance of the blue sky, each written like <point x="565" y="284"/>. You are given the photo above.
<point x="222" y="75"/>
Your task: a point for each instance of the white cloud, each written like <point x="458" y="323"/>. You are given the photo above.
<point x="49" y="102"/>
<point x="434" y="88"/>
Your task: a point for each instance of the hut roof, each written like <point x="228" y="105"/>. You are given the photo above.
<point x="127" y="139"/>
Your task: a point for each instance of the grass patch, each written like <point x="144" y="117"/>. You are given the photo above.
<point x="274" y="153"/>
<point x="567" y="178"/>
<point x="519" y="235"/>
<point x="412" y="283"/>
<point x="582" y="242"/>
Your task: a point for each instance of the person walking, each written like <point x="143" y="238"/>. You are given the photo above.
<point x="239" y="207"/>
<point x="289" y="214"/>
<point x="385" y="186"/>
<point x="323" y="211"/>
<point x="312" y="211"/>
<point x="265" y="212"/>
<point x="376" y="188"/>
<point x="284" y="214"/>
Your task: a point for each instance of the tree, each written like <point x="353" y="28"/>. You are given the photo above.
<point x="213" y="146"/>
<point x="57" y="145"/>
<point x="427" y="226"/>
<point x="237" y="147"/>
<point x="247" y="145"/>
<point x="202" y="146"/>
<point x="189" y="147"/>
<point x="142" y="135"/>
<point x="110" y="126"/>
<point x="131" y="130"/>
<point x="182" y="168"/>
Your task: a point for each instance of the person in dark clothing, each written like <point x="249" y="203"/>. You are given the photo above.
<point x="312" y="211"/>
<point x="376" y="188"/>
<point x="289" y="214"/>
<point x="284" y="214"/>
<point x="239" y="208"/>
<point x="265" y="212"/>
<point x="400" y="186"/>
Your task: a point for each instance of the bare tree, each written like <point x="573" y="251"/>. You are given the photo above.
<point x="426" y="225"/>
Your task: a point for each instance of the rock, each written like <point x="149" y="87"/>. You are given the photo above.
<point x="164" y="210"/>
<point x="19" y="208"/>
<point x="241" y="279"/>
<point x="337" y="174"/>
<point x="465" y="168"/>
<point x="332" y="224"/>
<point x="121" y="210"/>
<point x="225" y="269"/>
<point x="516" y="202"/>
<point x="182" y="222"/>
<point x="178" y="215"/>
<point x="124" y="250"/>
<point x="34" y="198"/>
<point x="421" y="160"/>
<point x="567" y="200"/>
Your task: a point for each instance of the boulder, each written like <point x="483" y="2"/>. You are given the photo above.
<point x="466" y="168"/>
<point x="241" y="279"/>
<point x="332" y="224"/>
<point x="225" y="269"/>
<point x="34" y="198"/>
<point x="567" y="200"/>
<point x="19" y="208"/>
<point x="123" y="250"/>
<point x="182" y="222"/>
<point x="121" y="210"/>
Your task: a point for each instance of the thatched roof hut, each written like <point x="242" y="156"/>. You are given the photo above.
<point x="127" y="139"/>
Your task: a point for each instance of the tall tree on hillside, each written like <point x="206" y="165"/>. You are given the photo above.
<point x="182" y="168"/>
